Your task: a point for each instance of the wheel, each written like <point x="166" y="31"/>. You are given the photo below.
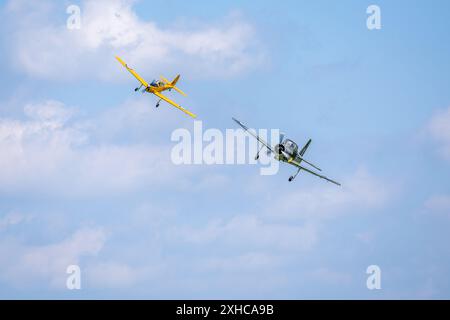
<point x="291" y="178"/>
<point x="257" y="157"/>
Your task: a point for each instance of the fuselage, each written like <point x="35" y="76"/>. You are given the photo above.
<point x="156" y="86"/>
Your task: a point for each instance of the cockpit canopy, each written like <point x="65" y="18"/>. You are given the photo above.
<point x="156" y="83"/>
<point x="290" y="147"/>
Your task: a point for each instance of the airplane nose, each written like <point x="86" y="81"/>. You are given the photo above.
<point x="279" y="149"/>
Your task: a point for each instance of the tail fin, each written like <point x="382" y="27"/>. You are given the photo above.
<point x="174" y="82"/>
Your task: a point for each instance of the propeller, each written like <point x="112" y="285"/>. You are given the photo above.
<point x="283" y="152"/>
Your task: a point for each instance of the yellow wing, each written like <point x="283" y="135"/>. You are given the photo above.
<point x="174" y="104"/>
<point x="134" y="73"/>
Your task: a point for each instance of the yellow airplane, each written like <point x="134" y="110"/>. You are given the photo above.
<point x="158" y="86"/>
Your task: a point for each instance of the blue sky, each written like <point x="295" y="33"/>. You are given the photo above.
<point x="87" y="177"/>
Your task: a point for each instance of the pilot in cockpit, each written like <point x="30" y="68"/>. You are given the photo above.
<point x="290" y="147"/>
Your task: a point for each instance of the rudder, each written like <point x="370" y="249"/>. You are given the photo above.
<point x="174" y="82"/>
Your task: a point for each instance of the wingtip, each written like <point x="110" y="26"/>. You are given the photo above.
<point x="120" y="61"/>
<point x="192" y="115"/>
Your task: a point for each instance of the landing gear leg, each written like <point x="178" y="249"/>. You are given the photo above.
<point x="257" y="155"/>
<point x="157" y="104"/>
<point x="135" y="90"/>
<point x="295" y="175"/>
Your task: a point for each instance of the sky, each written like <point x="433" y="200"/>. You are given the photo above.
<point x="87" y="179"/>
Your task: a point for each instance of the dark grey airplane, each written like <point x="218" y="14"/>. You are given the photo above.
<point x="287" y="151"/>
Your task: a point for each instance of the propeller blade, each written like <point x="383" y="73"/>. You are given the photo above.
<point x="281" y="137"/>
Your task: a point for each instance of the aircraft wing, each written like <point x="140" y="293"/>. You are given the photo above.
<point x="298" y="159"/>
<point x="295" y="163"/>
<point x="174" y="104"/>
<point x="253" y="134"/>
<point x="134" y="73"/>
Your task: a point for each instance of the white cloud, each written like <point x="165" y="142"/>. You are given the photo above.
<point x="12" y="219"/>
<point x="250" y="261"/>
<point x="111" y="27"/>
<point x="20" y="263"/>
<point x="287" y="226"/>
<point x="135" y="117"/>
<point x="247" y="243"/>
<point x="51" y="153"/>
<point x="249" y="232"/>
<point x="439" y="129"/>
<point x="52" y="113"/>
<point x="359" y="192"/>
<point x="111" y="275"/>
